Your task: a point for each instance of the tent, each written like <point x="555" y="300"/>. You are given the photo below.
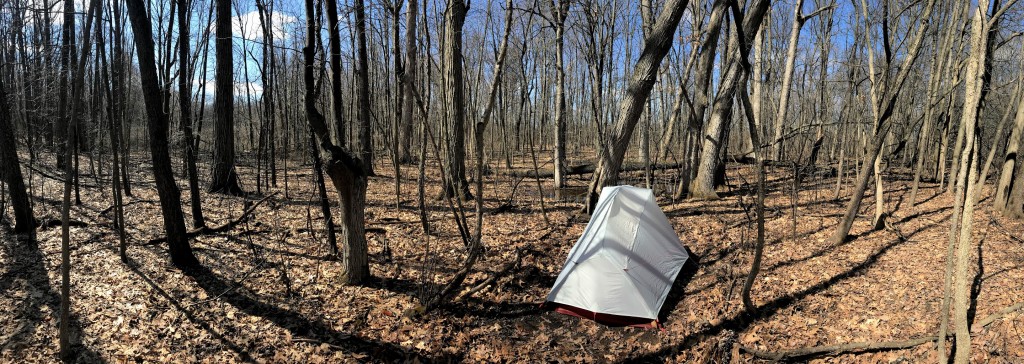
<point x="620" y="271"/>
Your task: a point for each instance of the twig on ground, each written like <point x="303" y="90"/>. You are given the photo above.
<point x="219" y="229"/>
<point x="494" y="277"/>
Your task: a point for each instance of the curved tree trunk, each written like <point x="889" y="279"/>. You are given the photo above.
<point x="703" y="186"/>
<point x="1006" y="184"/>
<point x="645" y="74"/>
<point x="344" y="169"/>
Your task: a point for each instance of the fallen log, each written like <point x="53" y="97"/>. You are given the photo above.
<point x="996" y="316"/>
<point x="205" y="230"/>
<point x="108" y="209"/>
<point x="831" y="350"/>
<point x="49" y="222"/>
<point x="836" y="349"/>
<point x="581" y="169"/>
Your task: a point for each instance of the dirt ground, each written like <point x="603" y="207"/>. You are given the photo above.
<point x="268" y="293"/>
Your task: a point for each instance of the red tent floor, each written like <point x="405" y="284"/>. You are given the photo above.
<point x="602" y="318"/>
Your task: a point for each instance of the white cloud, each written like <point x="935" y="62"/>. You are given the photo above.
<point x="209" y="87"/>
<point x="248" y="25"/>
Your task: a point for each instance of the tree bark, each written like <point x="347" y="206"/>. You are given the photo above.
<point x="363" y="91"/>
<point x="185" y="104"/>
<point x="966" y="179"/>
<point x="11" y="173"/>
<point x="1006" y="186"/>
<point x="344" y="168"/>
<point x="885" y="106"/>
<point x="560" y="11"/>
<point x="409" y="81"/>
<point x="455" y="109"/>
<point x="787" y="77"/>
<point x="702" y="186"/>
<point x="158" y="122"/>
<point x="645" y="74"/>
<point x="334" y="44"/>
<point x="943" y="58"/>
<point x="224" y="179"/>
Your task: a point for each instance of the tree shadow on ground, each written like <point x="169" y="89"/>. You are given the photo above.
<point x="482" y="308"/>
<point x="678" y="290"/>
<point x="741" y="321"/>
<point x="972" y="310"/>
<point x="191" y="316"/>
<point x="296" y="323"/>
<point x="28" y="270"/>
<point x="829" y="248"/>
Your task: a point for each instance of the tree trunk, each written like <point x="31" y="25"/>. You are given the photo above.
<point x="399" y="106"/>
<point x="645" y="74"/>
<point x="787" y="78"/>
<point x="224" y="179"/>
<point x="560" y="11"/>
<point x="885" y="106"/>
<point x="114" y="145"/>
<point x="185" y="103"/>
<point x="11" y="172"/>
<point x="363" y="91"/>
<point x="702" y="186"/>
<point x="334" y="42"/>
<point x="966" y="178"/>
<point x="943" y="58"/>
<point x="344" y="169"/>
<point x="1006" y="186"/>
<point x="409" y="81"/>
<point x="455" y="109"/>
<point x="158" y="122"/>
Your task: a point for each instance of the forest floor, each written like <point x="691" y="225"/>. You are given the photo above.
<point x="268" y="292"/>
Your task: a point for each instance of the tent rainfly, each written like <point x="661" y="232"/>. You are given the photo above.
<point x="620" y="271"/>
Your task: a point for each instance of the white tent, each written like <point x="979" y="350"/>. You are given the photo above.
<point x="621" y="269"/>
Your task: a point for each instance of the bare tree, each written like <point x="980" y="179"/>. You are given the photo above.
<point x="1007" y="186"/>
<point x="158" y="123"/>
<point x="11" y="171"/>
<point x="409" y="81"/>
<point x="559" y="12"/>
<point x="455" y="108"/>
<point x="363" y="91"/>
<point x="644" y="76"/>
<point x="334" y="44"/>
<point x="718" y="123"/>
<point x="883" y="102"/>
<point x="224" y="179"/>
<point x="77" y="85"/>
<point x="344" y="168"/>
<point x="185" y="104"/>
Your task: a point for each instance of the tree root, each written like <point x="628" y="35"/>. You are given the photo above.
<point x="205" y="230"/>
